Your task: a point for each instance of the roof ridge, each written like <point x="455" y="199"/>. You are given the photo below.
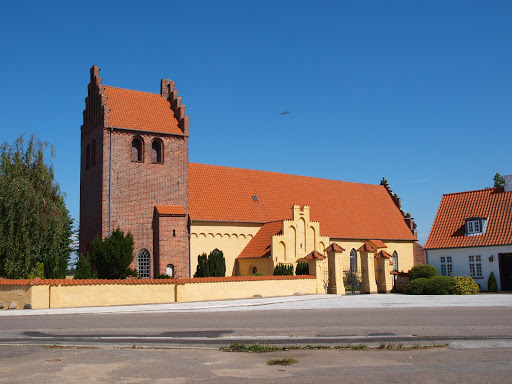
<point x="475" y="190"/>
<point x="287" y="174"/>
<point x="134" y="90"/>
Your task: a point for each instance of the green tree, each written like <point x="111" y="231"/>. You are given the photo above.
<point x="499" y="181"/>
<point x="422" y="271"/>
<point x="302" y="268"/>
<point x="35" y="226"/>
<point x="213" y="265"/>
<point x="492" y="286"/>
<point x="283" y="270"/>
<point x="113" y="255"/>
<point x="83" y="267"/>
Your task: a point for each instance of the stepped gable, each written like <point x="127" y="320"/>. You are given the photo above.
<point x="448" y="229"/>
<point x="343" y="209"/>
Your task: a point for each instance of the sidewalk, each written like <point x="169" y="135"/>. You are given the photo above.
<point x="291" y="303"/>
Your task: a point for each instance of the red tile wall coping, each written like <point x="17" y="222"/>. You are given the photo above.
<point x="22" y="282"/>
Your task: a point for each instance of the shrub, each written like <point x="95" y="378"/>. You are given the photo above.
<point x="213" y="265"/>
<point x="422" y="270"/>
<point x="416" y="287"/>
<point x="113" y="255"/>
<point x="438" y="285"/>
<point x="464" y="285"/>
<point x="283" y="270"/>
<point x="351" y="281"/>
<point x="162" y="276"/>
<point x="83" y="268"/>
<point x="492" y="286"/>
<point x="302" y="268"/>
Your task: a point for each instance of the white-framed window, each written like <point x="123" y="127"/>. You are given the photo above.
<point x="474" y="226"/>
<point x="446" y="266"/>
<point x="475" y="266"/>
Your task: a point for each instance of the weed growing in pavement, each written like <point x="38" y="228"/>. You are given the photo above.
<point x="382" y="345"/>
<point x="355" y="347"/>
<point x="282" y="362"/>
<point x="255" y="348"/>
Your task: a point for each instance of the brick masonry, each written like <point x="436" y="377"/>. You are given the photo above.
<point x="136" y="187"/>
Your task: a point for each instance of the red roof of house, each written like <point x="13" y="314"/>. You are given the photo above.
<point x="344" y="210"/>
<point x="334" y="247"/>
<point x="448" y="230"/>
<point x="366" y="247"/>
<point x="259" y="246"/>
<point x="174" y="210"/>
<point x="378" y="243"/>
<point x="315" y="255"/>
<point x="142" y="111"/>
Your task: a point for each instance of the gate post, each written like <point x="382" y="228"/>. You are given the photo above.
<point x="368" y="269"/>
<point x="335" y="267"/>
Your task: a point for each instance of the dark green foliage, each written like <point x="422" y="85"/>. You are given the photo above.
<point x="113" y="255"/>
<point x="35" y="225"/>
<point x="302" y="268"/>
<point x="351" y="281"/>
<point x="217" y="263"/>
<point x="416" y="286"/>
<point x="83" y="268"/>
<point x="438" y="285"/>
<point x="492" y="286"/>
<point x="422" y="271"/>
<point x="162" y="276"/>
<point x="213" y="265"/>
<point x="499" y="181"/>
<point x="283" y="270"/>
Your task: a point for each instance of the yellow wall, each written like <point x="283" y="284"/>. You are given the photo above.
<point x="404" y="250"/>
<point x="265" y="266"/>
<point x="243" y="289"/>
<point x="20" y="294"/>
<point x="230" y="238"/>
<point x="299" y="237"/>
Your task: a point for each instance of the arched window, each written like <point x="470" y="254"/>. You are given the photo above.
<point x="88" y="157"/>
<point x="144" y="261"/>
<point x="157" y="151"/>
<point x="254" y="270"/>
<point x="395" y="261"/>
<point x="353" y="260"/>
<point x="169" y="271"/>
<point x="93" y="152"/>
<point x="137" y="150"/>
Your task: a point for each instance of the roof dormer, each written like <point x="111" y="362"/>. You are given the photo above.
<point x="475" y="226"/>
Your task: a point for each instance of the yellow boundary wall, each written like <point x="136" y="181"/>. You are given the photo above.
<point x="43" y="294"/>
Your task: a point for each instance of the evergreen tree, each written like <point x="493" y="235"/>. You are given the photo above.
<point x="213" y="265"/>
<point x="203" y="268"/>
<point x="283" y="270"/>
<point x="302" y="268"/>
<point x="113" y="255"/>
<point x="35" y="226"/>
<point x="499" y="181"/>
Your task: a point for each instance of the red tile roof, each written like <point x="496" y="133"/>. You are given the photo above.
<point x="315" y="255"/>
<point x="448" y="229"/>
<point x="142" y="111"/>
<point x="382" y="254"/>
<point x="174" y="210"/>
<point x="378" y="243"/>
<point x="259" y="246"/>
<point x="344" y="210"/>
<point x="334" y="247"/>
<point x="366" y="247"/>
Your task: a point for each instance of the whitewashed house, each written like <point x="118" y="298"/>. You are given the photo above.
<point x="472" y="236"/>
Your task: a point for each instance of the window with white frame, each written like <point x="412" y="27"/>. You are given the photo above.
<point x="475" y="266"/>
<point x="446" y="266"/>
<point x="475" y="226"/>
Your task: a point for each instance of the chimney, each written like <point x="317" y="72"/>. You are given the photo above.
<point x="508" y="183"/>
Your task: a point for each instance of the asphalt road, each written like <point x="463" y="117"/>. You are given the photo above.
<point x="426" y="326"/>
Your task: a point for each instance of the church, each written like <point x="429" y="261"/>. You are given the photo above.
<point x="135" y="174"/>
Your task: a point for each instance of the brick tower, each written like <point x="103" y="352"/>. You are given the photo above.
<point x="134" y="174"/>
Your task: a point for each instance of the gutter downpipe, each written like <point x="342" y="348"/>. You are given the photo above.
<point x="110" y="185"/>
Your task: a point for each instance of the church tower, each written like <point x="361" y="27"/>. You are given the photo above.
<point x="134" y="174"/>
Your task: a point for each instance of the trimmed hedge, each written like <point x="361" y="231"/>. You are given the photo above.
<point x="438" y="285"/>
<point x="464" y="285"/>
<point x="416" y="286"/>
<point x="422" y="271"/>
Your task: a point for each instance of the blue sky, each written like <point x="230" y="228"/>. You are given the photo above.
<point x="418" y="92"/>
